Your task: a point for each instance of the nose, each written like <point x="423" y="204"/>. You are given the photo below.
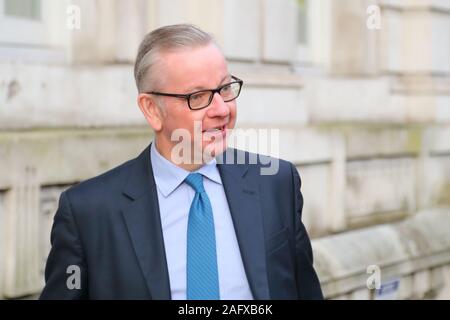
<point x="218" y="107"/>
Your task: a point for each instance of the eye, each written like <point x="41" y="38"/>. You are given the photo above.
<point x="199" y="96"/>
<point x="226" y="88"/>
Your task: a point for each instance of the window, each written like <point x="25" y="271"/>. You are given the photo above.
<point x="28" y="9"/>
<point x="314" y="34"/>
<point x="303" y="30"/>
<point x="33" y="30"/>
<point x="302" y="23"/>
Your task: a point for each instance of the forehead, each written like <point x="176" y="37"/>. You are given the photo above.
<point x="193" y="67"/>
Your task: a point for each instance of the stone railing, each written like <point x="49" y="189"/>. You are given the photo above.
<point x="405" y="260"/>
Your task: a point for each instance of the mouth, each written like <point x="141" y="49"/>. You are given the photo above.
<point x="214" y="133"/>
<point x="215" y="130"/>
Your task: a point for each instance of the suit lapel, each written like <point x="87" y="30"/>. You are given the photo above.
<point x="244" y="202"/>
<point x="143" y="221"/>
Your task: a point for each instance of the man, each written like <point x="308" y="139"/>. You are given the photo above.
<point x="174" y="225"/>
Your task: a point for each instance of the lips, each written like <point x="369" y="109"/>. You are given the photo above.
<point x="214" y="133"/>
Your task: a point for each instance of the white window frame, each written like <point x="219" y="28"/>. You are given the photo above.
<point x="22" y="31"/>
<point x="315" y="54"/>
<point x="44" y="40"/>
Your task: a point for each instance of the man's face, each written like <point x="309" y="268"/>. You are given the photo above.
<point x="184" y="72"/>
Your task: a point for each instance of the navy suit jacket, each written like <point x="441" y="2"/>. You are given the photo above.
<point x="110" y="228"/>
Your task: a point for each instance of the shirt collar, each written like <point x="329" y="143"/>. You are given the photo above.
<point x="169" y="176"/>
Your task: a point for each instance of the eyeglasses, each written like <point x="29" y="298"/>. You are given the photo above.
<point x="201" y="99"/>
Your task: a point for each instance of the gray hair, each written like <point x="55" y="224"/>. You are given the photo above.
<point x="179" y="36"/>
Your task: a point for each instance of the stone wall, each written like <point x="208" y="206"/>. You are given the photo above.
<point x="36" y="167"/>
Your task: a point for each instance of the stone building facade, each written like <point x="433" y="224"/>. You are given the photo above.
<point x="358" y="92"/>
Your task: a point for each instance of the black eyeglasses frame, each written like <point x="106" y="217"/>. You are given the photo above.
<point x="214" y="91"/>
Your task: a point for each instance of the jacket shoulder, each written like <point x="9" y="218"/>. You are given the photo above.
<point x="110" y="180"/>
<point x="265" y="165"/>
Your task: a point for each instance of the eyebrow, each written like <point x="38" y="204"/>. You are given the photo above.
<point x="202" y="88"/>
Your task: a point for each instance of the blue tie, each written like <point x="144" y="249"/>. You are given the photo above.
<point x="202" y="275"/>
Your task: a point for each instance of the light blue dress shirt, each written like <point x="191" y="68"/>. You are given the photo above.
<point x="175" y="198"/>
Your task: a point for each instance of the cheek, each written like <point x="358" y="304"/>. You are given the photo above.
<point x="233" y="111"/>
<point x="190" y="119"/>
<point x="182" y="117"/>
<point x="177" y="124"/>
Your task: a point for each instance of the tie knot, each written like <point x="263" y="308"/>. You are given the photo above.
<point x="195" y="180"/>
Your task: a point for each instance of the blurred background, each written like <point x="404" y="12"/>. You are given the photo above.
<point x="359" y="91"/>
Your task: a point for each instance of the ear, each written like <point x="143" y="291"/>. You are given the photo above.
<point x="151" y="111"/>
